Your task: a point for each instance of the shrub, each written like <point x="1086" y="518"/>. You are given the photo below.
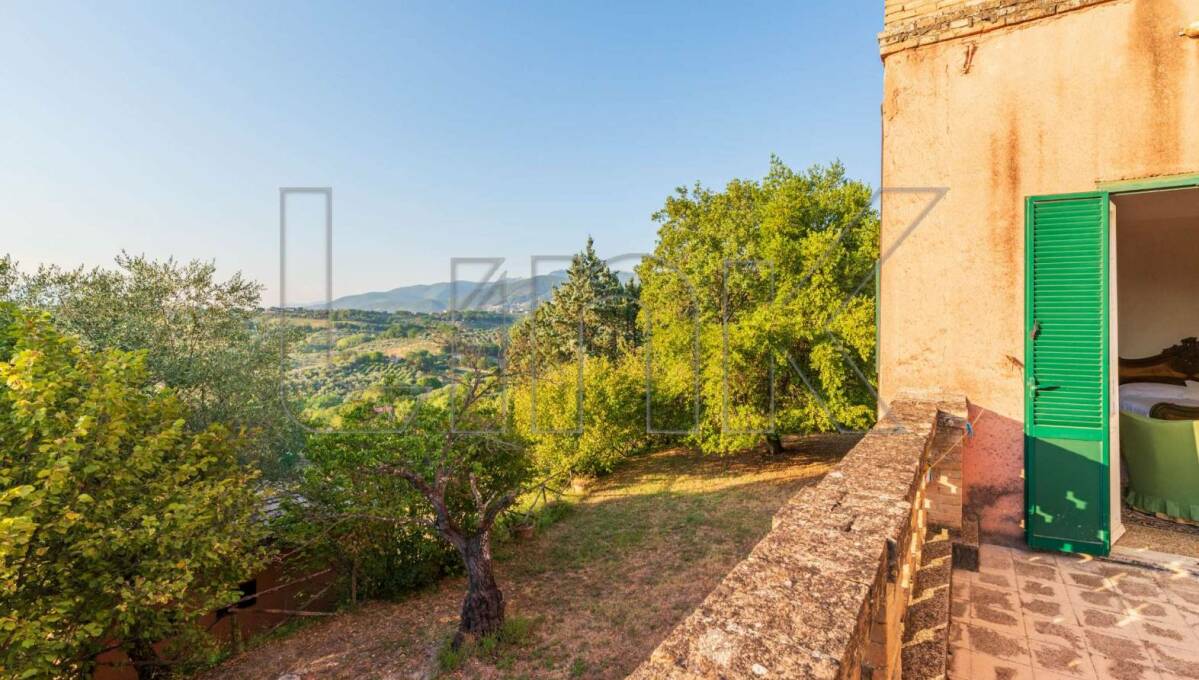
<point x="116" y="522"/>
<point x="613" y="416"/>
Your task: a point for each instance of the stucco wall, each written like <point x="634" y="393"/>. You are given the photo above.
<point x="1101" y="93"/>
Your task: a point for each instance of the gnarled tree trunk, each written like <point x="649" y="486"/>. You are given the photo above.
<point x="146" y="661"/>
<point x="483" y="607"/>
<point x="775" y="443"/>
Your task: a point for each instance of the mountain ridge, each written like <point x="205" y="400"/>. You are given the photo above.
<point x="518" y="294"/>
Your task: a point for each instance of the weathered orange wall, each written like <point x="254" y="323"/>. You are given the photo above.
<point x="1100" y="93"/>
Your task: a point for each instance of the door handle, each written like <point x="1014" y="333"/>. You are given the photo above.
<point x="1035" y="386"/>
<point x="1036" y="330"/>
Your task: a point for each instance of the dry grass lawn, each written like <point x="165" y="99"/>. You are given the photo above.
<point x="600" y="588"/>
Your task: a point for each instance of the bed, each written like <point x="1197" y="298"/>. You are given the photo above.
<point x="1159" y="431"/>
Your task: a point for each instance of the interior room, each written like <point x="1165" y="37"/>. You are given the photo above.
<point x="1155" y="300"/>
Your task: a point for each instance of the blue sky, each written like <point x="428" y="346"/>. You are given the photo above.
<point x="445" y="129"/>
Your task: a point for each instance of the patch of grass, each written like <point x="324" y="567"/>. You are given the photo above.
<point x="517" y="630"/>
<point x="498" y="648"/>
<point x="450" y="658"/>
<point x="552" y="513"/>
<point x="609" y="573"/>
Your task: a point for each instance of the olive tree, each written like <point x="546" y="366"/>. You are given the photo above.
<point x="204" y="336"/>
<point x="447" y="465"/>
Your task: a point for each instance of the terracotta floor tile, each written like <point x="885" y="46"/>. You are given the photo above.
<point x="1118" y="571"/>
<point x="985" y="667"/>
<point x="994" y="559"/>
<point x="1108" y="621"/>
<point x="988" y="550"/>
<point x="1056" y="610"/>
<point x="1174" y="661"/>
<point x="960" y="591"/>
<point x="961" y="578"/>
<point x="1114" y="646"/>
<point x="1078" y="561"/>
<point x="1178" y="574"/>
<point x="1157" y="612"/>
<point x="1042" y="674"/>
<point x="1072" y="662"/>
<point x="1034" y="557"/>
<point x="1005" y="600"/>
<point x="1180" y="595"/>
<point x="1138" y="589"/>
<point x="959" y="610"/>
<point x="1081" y="598"/>
<point x="1087" y="580"/>
<point x="1008" y="622"/>
<point x="1123" y="669"/>
<point x="1189" y="614"/>
<point x="958" y="633"/>
<point x="996" y="580"/>
<point x="958" y="664"/>
<point x="1164" y="634"/>
<point x="1044" y="570"/>
<point x="997" y="642"/>
<point x="1070" y="635"/>
<point x="1061" y="617"/>
<point x="1050" y="590"/>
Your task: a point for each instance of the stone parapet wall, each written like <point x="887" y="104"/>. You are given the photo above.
<point x="943" y="500"/>
<point x="912" y="23"/>
<point x="823" y="595"/>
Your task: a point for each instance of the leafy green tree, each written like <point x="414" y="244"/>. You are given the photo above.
<point x="756" y="293"/>
<point x="203" y="337"/>
<point x="590" y="313"/>
<point x="370" y="526"/>
<point x="8" y="276"/>
<point x="119" y="528"/>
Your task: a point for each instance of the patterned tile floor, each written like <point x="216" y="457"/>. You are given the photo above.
<point x="1045" y="616"/>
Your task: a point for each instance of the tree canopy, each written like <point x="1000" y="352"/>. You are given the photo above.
<point x="203" y="336"/>
<point x="591" y="313"/>
<point x="118" y="526"/>
<point x="758" y="304"/>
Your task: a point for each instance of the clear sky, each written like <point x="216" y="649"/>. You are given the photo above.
<point x="446" y="129"/>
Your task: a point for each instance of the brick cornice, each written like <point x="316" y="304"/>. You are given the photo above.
<point x="914" y="23"/>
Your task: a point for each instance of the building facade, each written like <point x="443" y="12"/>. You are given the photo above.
<point x="986" y="104"/>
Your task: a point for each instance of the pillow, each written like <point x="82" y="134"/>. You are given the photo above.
<point x="1192" y="390"/>
<point x="1163" y="391"/>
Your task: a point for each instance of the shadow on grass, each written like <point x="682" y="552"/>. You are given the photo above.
<point x="605" y="584"/>
<point x="644" y="548"/>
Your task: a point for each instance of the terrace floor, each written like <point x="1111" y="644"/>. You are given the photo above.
<point x="1048" y="616"/>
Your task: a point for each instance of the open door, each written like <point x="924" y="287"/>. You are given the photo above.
<point x="1066" y="456"/>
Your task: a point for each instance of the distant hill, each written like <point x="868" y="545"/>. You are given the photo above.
<point x="436" y="297"/>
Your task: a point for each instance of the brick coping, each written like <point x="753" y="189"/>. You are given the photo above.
<point x="957" y="21"/>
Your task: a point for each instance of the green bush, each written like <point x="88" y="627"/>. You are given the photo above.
<point x="117" y="524"/>
<point x="351" y="340"/>
<point x="613" y="416"/>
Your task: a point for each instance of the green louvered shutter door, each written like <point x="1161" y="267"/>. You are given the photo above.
<point x="1066" y="360"/>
